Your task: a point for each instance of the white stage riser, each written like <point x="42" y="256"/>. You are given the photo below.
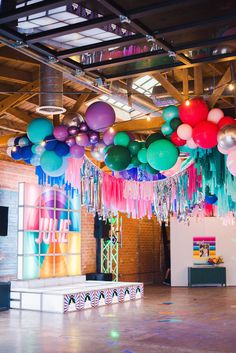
<point x="33" y="299"/>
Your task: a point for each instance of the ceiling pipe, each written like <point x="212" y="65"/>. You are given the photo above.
<point x="51" y="91"/>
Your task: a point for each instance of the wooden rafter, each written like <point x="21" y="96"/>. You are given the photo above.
<point x="22" y="115"/>
<point x="77" y="107"/>
<point x="9" y="125"/>
<point x="168" y="86"/>
<point x="185" y="84"/>
<point x="140" y="124"/>
<point x="10" y="74"/>
<point x="220" y="87"/>
<point x="198" y="82"/>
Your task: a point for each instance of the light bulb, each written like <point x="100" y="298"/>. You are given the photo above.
<point x="14" y="149"/>
<point x="43" y="143"/>
<point x="111" y="129"/>
<point x="187" y="102"/>
<point x="148" y="118"/>
<point x="231" y="86"/>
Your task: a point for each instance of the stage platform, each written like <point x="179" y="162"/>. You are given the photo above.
<point x="61" y="295"/>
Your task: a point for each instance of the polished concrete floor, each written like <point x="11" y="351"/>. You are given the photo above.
<point x="173" y="320"/>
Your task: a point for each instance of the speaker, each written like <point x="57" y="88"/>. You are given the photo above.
<point x="3" y="220"/>
<point x="101" y="227"/>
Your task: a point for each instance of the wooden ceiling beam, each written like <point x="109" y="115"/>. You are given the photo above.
<point x="168" y="87"/>
<point x="198" y="82"/>
<point x="220" y="86"/>
<point x="12" y="126"/>
<point x="14" y="75"/>
<point x="140" y="124"/>
<point x="22" y="115"/>
<point x="77" y="107"/>
<point x="185" y="84"/>
<point x="11" y="55"/>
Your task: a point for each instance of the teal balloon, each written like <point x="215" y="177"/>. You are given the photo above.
<point x="33" y="148"/>
<point x="166" y="129"/>
<point x="142" y="155"/>
<point x="106" y="149"/>
<point x="134" y="147"/>
<point x="170" y="113"/>
<point x="118" y="158"/>
<point x="121" y="139"/>
<point x="151" y="170"/>
<point x="50" y="161"/>
<point x="38" y="129"/>
<point x="135" y="161"/>
<point x="175" y="123"/>
<point x="142" y="144"/>
<point x="162" y="155"/>
<point x="143" y="166"/>
<point x="185" y="149"/>
<point x="153" y="137"/>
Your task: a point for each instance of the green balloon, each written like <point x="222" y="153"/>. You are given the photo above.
<point x="162" y="155"/>
<point x="50" y="161"/>
<point x="143" y="166"/>
<point x="142" y="144"/>
<point x="118" y="158"/>
<point x="135" y="161"/>
<point x="142" y="155"/>
<point x="153" y="137"/>
<point x="166" y="129"/>
<point x="151" y="170"/>
<point x="38" y="129"/>
<point x="175" y="123"/>
<point x="134" y="147"/>
<point x="106" y="149"/>
<point x="121" y="139"/>
<point x="170" y="113"/>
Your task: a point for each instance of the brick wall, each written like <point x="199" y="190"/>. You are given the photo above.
<point x="88" y="242"/>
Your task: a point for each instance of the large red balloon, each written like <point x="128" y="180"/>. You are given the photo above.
<point x="177" y="141"/>
<point x="226" y="120"/>
<point x="205" y="134"/>
<point x="193" y="111"/>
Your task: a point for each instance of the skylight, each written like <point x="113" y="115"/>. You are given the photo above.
<point x="125" y="107"/>
<point x="145" y="85"/>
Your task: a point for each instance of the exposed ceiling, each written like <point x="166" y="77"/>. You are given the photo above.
<point x="137" y="57"/>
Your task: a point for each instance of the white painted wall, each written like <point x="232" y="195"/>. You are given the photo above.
<point x="181" y="241"/>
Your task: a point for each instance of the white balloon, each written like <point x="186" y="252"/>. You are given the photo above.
<point x="9" y="149"/>
<point x="191" y="144"/>
<point x="185" y="131"/>
<point x="11" y="141"/>
<point x="215" y="115"/>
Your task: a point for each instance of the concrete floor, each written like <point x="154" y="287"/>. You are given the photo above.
<point x="183" y="320"/>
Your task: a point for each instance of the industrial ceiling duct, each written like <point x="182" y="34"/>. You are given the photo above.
<point x="51" y="91"/>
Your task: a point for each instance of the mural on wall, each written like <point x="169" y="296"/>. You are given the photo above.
<point x="49" y="232"/>
<point x="203" y="249"/>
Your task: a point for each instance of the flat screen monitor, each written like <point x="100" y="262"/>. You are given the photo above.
<point x="3" y="220"/>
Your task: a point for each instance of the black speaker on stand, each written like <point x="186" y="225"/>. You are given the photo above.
<point x="101" y="231"/>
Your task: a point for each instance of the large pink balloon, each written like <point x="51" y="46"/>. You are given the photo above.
<point x="99" y="116"/>
<point x="77" y="151"/>
<point x="185" y="131"/>
<point x="215" y="115"/>
<point x="60" y="132"/>
<point x="108" y="136"/>
<point x="231" y="162"/>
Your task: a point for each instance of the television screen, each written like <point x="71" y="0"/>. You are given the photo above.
<point x="3" y="220"/>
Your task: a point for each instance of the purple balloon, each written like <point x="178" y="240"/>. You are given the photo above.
<point x="60" y="132"/>
<point x="77" y="151"/>
<point x="82" y="139"/>
<point x="83" y="127"/>
<point x="93" y="137"/>
<point x="108" y="136"/>
<point x="70" y="141"/>
<point x="73" y="130"/>
<point x="99" y="116"/>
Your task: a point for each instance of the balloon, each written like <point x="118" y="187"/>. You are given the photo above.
<point x="162" y="154"/>
<point x="194" y="112"/>
<point x="35" y="160"/>
<point x="82" y="139"/>
<point x="24" y="141"/>
<point x="83" y="127"/>
<point x="134" y="147"/>
<point x="215" y="115"/>
<point x="26" y="152"/>
<point x="135" y="161"/>
<point x="59" y="172"/>
<point x="205" y="134"/>
<point x="62" y="149"/>
<point x="77" y="151"/>
<point x="227" y="137"/>
<point x="16" y="153"/>
<point x="118" y="158"/>
<point x="185" y="131"/>
<point x="60" y="132"/>
<point x="226" y="120"/>
<point x="153" y="137"/>
<point x="166" y="129"/>
<point x="175" y="123"/>
<point x="98" y="151"/>
<point x="108" y="136"/>
<point x="38" y="129"/>
<point x="143" y="166"/>
<point x="211" y="199"/>
<point x="8" y="151"/>
<point x="73" y="130"/>
<point x="72" y="119"/>
<point x="38" y="149"/>
<point x="99" y="116"/>
<point x="106" y="149"/>
<point x="175" y="169"/>
<point x="142" y="155"/>
<point x="142" y="144"/>
<point x="51" y="143"/>
<point x="223" y="151"/>
<point x="50" y="161"/>
<point x="16" y="140"/>
<point x="11" y="141"/>
<point x="70" y="141"/>
<point x="170" y="113"/>
<point x="177" y="141"/>
<point x="151" y="170"/>
<point x="121" y="139"/>
<point x="191" y="144"/>
<point x="93" y="137"/>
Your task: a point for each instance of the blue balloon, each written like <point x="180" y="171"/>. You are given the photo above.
<point x="211" y="199"/>
<point x="26" y="152"/>
<point x="62" y="149"/>
<point x="38" y="129"/>
<point x="24" y="141"/>
<point x="16" y="141"/>
<point x="51" y="142"/>
<point x="27" y="161"/>
<point x="16" y="155"/>
<point x="50" y="161"/>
